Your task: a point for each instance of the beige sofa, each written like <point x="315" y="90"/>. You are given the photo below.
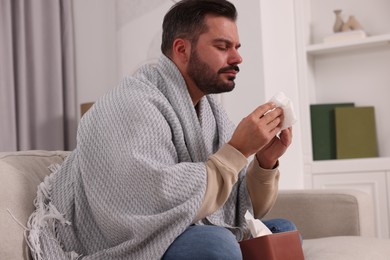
<point x="334" y="224"/>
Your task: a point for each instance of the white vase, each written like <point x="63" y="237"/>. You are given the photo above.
<point x="338" y="24"/>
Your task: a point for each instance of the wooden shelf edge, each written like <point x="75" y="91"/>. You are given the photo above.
<point x="324" y="48"/>
<point x="351" y="165"/>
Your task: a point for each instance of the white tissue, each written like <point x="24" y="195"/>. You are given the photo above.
<point x="256" y="227"/>
<point x="285" y="103"/>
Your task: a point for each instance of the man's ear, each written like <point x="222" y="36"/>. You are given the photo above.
<point x="181" y="50"/>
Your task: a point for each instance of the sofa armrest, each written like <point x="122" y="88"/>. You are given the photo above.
<point x="324" y="213"/>
<point x="20" y="175"/>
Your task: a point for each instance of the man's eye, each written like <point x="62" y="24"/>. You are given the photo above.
<point x="222" y="48"/>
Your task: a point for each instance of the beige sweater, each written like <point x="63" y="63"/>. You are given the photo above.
<point x="222" y="173"/>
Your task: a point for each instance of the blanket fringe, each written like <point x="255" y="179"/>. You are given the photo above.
<point x="45" y="216"/>
<point x="16" y="220"/>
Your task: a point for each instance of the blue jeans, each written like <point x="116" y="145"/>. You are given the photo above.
<point x="213" y="242"/>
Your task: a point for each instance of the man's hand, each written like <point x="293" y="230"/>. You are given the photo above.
<point x="269" y="155"/>
<point x="257" y="134"/>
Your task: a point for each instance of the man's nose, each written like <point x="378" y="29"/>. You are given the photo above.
<point x="235" y="57"/>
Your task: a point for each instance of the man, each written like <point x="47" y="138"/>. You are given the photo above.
<point x="159" y="171"/>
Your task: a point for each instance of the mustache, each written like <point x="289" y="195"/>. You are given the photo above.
<point x="232" y="67"/>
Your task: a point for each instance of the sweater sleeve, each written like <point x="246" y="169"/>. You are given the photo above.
<point x="262" y="186"/>
<point x="223" y="168"/>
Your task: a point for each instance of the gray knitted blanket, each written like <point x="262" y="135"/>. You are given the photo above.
<point x="138" y="176"/>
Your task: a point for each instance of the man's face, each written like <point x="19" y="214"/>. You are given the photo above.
<point x="214" y="59"/>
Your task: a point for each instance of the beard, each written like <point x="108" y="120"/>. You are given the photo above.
<point x="206" y="79"/>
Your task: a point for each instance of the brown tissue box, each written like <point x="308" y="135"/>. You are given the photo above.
<point x="279" y="246"/>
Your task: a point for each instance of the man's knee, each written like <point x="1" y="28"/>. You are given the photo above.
<point x="205" y="242"/>
<point x="278" y="225"/>
<point x="222" y="244"/>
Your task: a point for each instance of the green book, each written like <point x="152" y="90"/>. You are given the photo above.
<point x="323" y="130"/>
<point x="356" y="132"/>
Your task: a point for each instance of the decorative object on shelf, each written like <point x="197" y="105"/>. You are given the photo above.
<point x="338" y="24"/>
<point x="350" y="25"/>
<point x="344" y="31"/>
<point x="345" y="36"/>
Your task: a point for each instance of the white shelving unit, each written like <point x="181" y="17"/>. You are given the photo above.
<point x="352" y="71"/>
<point x="369" y="42"/>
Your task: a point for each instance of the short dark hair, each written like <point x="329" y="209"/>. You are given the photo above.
<point x="186" y="20"/>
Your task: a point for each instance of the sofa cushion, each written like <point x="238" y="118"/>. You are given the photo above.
<point x="20" y="174"/>
<point x="325" y="213"/>
<point x="347" y="248"/>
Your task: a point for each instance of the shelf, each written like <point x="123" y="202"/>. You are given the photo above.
<point x="325" y="48"/>
<point x="351" y="165"/>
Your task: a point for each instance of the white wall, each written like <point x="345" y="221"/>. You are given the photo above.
<point x="108" y="49"/>
<point x="372" y="15"/>
<point x="270" y="65"/>
<point x="249" y="92"/>
<point x="139" y="34"/>
<point x="280" y="74"/>
<point x="95" y="46"/>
